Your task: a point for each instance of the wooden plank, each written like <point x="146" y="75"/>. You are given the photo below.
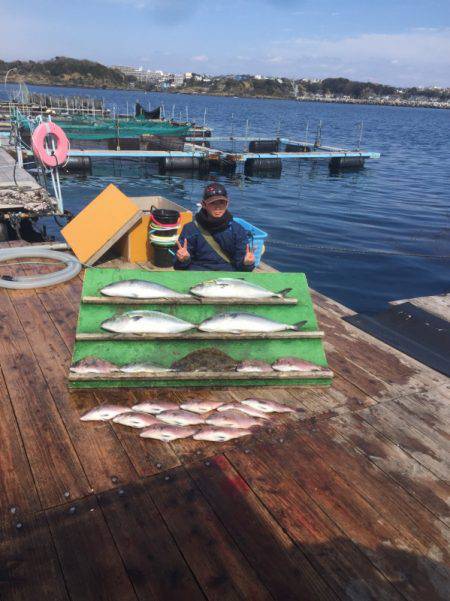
<point x="416" y="524"/>
<point x="431" y="407"/>
<point x="341" y="564"/>
<point x="18" y="492"/>
<point x="147" y="456"/>
<point x="407" y="437"/>
<point x="56" y="467"/>
<point x="152" y="560"/>
<point x="417" y="480"/>
<point x="92" y="567"/>
<point x="279" y="564"/>
<point x="199" y="336"/>
<point x="101" y="454"/>
<point x="202" y="375"/>
<point x="393" y="552"/>
<point x="193" y="300"/>
<point x="29" y="564"/>
<point x="218" y="565"/>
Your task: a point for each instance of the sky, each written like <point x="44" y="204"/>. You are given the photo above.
<point x="398" y="42"/>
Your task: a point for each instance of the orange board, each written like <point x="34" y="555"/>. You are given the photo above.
<point x="100" y="224"/>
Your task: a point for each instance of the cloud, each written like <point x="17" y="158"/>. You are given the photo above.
<point x="201" y="58"/>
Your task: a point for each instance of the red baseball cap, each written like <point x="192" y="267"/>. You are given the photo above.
<point x="214" y="192"/>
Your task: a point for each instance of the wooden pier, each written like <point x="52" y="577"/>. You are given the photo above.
<point x="345" y="499"/>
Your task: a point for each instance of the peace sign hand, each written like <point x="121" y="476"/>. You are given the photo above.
<point x="249" y="258"/>
<point x="182" y="252"/>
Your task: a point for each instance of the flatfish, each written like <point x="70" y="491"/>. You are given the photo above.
<point x="167" y="433"/>
<point x="140" y="289"/>
<point x="220" y="434"/>
<point x="208" y="359"/>
<point x="134" y="419"/>
<point x="146" y="322"/>
<point x="93" y="365"/>
<point x="240" y="323"/>
<point x="104" y="413"/>
<point x="234" y="288"/>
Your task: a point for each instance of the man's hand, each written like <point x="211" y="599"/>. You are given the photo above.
<point x="182" y="252"/>
<point x="249" y="258"/>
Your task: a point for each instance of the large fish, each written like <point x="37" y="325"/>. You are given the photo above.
<point x="294" y="364"/>
<point x="104" y="413"/>
<point x="200" y="406"/>
<point x="179" y="417"/>
<point x="167" y="433"/>
<point x="240" y="323"/>
<point x="220" y="434"/>
<point x="133" y="368"/>
<point x="232" y="419"/>
<point x="155" y="407"/>
<point x="234" y="288"/>
<point x="93" y="365"/>
<point x="146" y="322"/>
<point x="134" y="419"/>
<point x="140" y="289"/>
<point x="267" y="406"/>
<point x="254" y="365"/>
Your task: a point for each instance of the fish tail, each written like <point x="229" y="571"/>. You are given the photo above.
<point x="285" y="292"/>
<point x="299" y="324"/>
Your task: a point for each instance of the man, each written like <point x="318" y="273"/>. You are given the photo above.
<point x="213" y="241"/>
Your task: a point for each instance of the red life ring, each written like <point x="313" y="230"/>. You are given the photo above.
<point x="47" y="156"/>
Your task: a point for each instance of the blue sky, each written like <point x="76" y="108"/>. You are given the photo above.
<point x="403" y="42"/>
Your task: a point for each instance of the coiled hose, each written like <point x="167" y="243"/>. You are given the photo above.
<point x="73" y="267"/>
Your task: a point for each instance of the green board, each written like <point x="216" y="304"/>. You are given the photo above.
<point x="165" y="352"/>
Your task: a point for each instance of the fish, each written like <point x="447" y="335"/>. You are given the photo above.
<point x="240" y="323"/>
<point x="140" y="289"/>
<point x="104" y="413"/>
<point x="254" y="365"/>
<point x="220" y="434"/>
<point x="134" y="419"/>
<point x="232" y="419"/>
<point x="244" y="408"/>
<point x="205" y="359"/>
<point x="180" y="417"/>
<point x="93" y="365"/>
<point x="267" y="406"/>
<point x="234" y="288"/>
<point x="155" y="407"/>
<point x="200" y="406"/>
<point x="166" y="432"/>
<point x="294" y="364"/>
<point x="132" y="368"/>
<point x="146" y="322"/>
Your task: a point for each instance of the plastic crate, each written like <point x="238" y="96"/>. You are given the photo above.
<point x="256" y="236"/>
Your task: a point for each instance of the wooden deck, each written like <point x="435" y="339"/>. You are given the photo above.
<point x="347" y="500"/>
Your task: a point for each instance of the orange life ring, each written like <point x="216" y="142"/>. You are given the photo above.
<point x="47" y="156"/>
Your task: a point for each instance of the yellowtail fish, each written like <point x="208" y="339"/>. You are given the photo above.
<point x="220" y="434"/>
<point x="155" y="407"/>
<point x="267" y="406"/>
<point x="104" y="413"/>
<point x="241" y="323"/>
<point x="134" y="419"/>
<point x="146" y="322"/>
<point x="140" y="289"/>
<point x="167" y="433"/>
<point x="93" y="365"/>
<point x="200" y="406"/>
<point x="234" y="288"/>
<point x="180" y="418"/>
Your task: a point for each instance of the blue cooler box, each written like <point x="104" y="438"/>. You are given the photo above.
<point x="255" y="234"/>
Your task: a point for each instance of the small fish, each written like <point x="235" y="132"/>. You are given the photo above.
<point x="146" y="322"/>
<point x="254" y="365"/>
<point x="220" y="434"/>
<point x="93" y="365"/>
<point x="179" y="417"/>
<point x="167" y="433"/>
<point x="267" y="406"/>
<point x="104" y="413"/>
<point x="134" y="419"/>
<point x="240" y="323"/>
<point x="133" y="368"/>
<point x="234" y="288"/>
<point x="140" y="289"/>
<point x="200" y="406"/>
<point x="294" y="364"/>
<point x="232" y="419"/>
<point x="244" y="408"/>
<point x="155" y="407"/>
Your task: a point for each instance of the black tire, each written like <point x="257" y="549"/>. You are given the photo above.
<point x="4" y="235"/>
